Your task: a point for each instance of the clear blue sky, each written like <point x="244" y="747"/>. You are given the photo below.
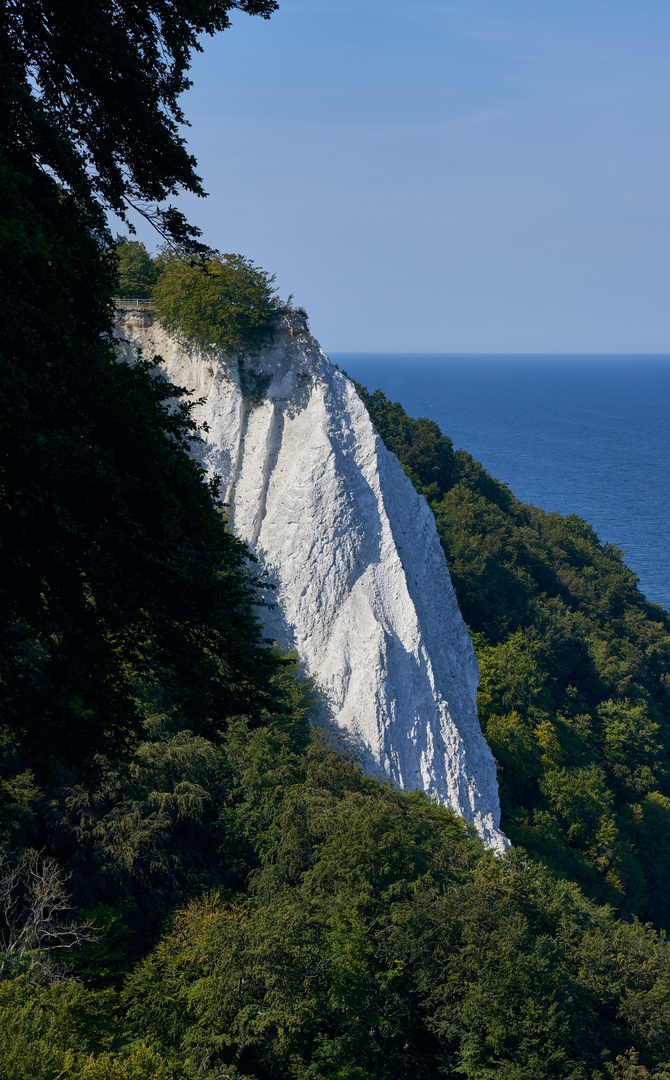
<point x="485" y="176"/>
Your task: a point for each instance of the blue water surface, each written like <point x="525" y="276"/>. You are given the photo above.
<point x="585" y="435"/>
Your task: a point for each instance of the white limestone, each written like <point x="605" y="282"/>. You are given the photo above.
<point x="363" y="592"/>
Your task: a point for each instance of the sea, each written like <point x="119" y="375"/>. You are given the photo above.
<point x="586" y="435"/>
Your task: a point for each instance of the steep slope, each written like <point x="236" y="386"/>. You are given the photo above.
<point x="574" y="696"/>
<point x="363" y="593"/>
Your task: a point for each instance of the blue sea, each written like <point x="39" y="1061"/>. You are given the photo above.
<point x="587" y="435"/>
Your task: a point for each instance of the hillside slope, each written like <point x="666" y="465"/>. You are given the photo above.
<point x="575" y="673"/>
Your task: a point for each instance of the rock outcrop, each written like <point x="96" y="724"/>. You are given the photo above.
<point x="363" y="593"/>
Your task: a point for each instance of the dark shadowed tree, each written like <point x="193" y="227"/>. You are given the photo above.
<point x="116" y="568"/>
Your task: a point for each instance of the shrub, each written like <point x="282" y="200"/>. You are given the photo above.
<point x="224" y="302"/>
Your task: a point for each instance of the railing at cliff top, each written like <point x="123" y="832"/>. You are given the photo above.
<point x="134" y="302"/>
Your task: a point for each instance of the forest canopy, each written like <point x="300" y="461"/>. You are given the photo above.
<point x="574" y="697"/>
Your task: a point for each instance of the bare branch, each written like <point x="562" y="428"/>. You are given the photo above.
<point x="33" y="901"/>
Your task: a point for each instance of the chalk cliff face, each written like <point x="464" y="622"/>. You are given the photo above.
<point x="363" y="593"/>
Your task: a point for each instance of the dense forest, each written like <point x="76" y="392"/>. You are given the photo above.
<point x="575" y="673"/>
<point x="193" y="881"/>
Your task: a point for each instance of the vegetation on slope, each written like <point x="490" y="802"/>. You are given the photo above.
<point x="233" y="897"/>
<point x="575" y="673"/>
<point x="346" y="929"/>
<point x="264" y="909"/>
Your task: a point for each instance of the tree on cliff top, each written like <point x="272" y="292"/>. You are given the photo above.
<point x="224" y="301"/>
<point x="116" y="566"/>
<point x="138" y="272"/>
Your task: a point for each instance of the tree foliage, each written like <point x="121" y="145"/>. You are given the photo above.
<point x="158" y="754"/>
<point x="91" y="96"/>
<point x="64" y="1030"/>
<point x="183" y="814"/>
<point x="117" y="567"/>
<point x="575" y="671"/>
<point x="347" y="929"/>
<point x="138" y="272"/>
<point x="378" y="939"/>
<point x="223" y="302"/>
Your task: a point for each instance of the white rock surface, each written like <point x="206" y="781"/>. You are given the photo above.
<point x="363" y="590"/>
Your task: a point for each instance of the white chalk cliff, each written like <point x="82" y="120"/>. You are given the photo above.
<point x="363" y="593"/>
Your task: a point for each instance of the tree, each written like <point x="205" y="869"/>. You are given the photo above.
<point x="90" y="94"/>
<point x="63" y="1030"/>
<point x="377" y="939"/>
<point x="224" y="302"/>
<point x="33" y="900"/>
<point x="138" y="272"/>
<point x="117" y="570"/>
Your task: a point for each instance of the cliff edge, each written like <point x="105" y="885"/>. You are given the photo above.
<point x="363" y="593"/>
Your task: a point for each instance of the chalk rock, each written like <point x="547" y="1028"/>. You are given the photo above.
<point x="363" y="593"/>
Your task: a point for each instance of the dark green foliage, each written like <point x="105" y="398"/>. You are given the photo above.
<point x="224" y="302"/>
<point x="105" y="118"/>
<point x="182" y="815"/>
<point x="575" y="672"/>
<point x="348" y="930"/>
<point x="157" y="749"/>
<point x="380" y="940"/>
<point x="117" y="569"/>
<point x="117" y="565"/>
<point x="138" y="272"/>
<point x="425" y="453"/>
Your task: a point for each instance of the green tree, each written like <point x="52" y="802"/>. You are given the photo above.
<point x="63" y="1030"/>
<point x="575" y="671"/>
<point x="138" y="272"/>
<point x="92" y="95"/>
<point x="379" y="939"/>
<point x="117" y="568"/>
<point x="222" y="302"/>
<point x="181" y="815"/>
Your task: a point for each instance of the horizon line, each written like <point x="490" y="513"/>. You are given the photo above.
<point x="407" y="352"/>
